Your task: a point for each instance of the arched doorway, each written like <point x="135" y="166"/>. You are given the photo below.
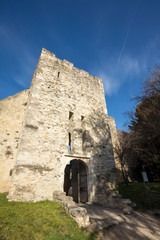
<point x="75" y="181"/>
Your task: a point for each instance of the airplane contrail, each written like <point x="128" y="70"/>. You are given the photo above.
<point x="125" y="39"/>
<point x="123" y="47"/>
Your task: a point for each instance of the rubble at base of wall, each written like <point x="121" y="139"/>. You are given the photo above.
<point x="77" y="213"/>
<point x="114" y="200"/>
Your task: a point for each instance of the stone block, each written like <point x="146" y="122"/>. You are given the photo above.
<point x="127" y="201"/>
<point x="128" y="210"/>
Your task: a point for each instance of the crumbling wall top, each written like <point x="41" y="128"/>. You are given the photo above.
<point x="69" y="65"/>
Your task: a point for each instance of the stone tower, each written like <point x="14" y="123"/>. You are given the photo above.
<point x="65" y="143"/>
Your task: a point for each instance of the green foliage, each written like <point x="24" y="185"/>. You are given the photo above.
<point x="144" y="126"/>
<point x="43" y="220"/>
<point x="136" y="192"/>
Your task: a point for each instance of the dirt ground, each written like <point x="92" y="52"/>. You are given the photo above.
<point x="138" y="226"/>
<point x="112" y="224"/>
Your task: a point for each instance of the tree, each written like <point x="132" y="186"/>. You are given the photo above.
<point x="145" y="125"/>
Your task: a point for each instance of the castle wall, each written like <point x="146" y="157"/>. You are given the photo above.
<point x="63" y="100"/>
<point x="12" y="111"/>
<point x="116" y="144"/>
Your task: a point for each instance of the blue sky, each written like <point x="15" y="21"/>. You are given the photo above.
<point x="116" y="40"/>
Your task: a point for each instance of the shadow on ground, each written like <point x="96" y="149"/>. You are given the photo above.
<point x="113" y="224"/>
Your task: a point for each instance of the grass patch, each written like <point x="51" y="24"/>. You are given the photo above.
<point x="136" y="192"/>
<point x="43" y="220"/>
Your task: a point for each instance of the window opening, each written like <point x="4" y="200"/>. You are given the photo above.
<point x="69" y="144"/>
<point x="10" y="172"/>
<point x="70" y="115"/>
<point x="70" y="131"/>
<point x="58" y="74"/>
<point x="83" y="132"/>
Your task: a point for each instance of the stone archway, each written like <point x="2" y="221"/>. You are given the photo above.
<point x="75" y="181"/>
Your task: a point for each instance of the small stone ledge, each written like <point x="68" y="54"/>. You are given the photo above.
<point x="34" y="168"/>
<point x="77" y="156"/>
<point x="31" y="126"/>
<point x="79" y="214"/>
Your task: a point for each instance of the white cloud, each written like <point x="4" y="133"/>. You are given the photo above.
<point x="111" y="85"/>
<point x="117" y="71"/>
<point x="129" y="65"/>
<point x="114" y="78"/>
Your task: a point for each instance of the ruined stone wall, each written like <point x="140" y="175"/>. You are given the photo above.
<point x="117" y="138"/>
<point x="12" y="111"/>
<point x="59" y="90"/>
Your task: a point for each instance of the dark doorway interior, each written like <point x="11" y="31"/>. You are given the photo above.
<point x="75" y="181"/>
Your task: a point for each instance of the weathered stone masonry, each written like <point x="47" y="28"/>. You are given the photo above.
<point x="66" y="121"/>
<point x="12" y="112"/>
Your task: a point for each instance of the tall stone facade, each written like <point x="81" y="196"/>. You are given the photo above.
<point x="12" y="114"/>
<point x="65" y="143"/>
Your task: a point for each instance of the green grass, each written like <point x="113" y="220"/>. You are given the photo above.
<point x="136" y="192"/>
<point x="38" y="221"/>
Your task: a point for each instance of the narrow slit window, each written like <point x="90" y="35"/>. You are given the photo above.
<point x="69" y="144"/>
<point x="58" y="74"/>
<point x="83" y="132"/>
<point x="82" y="118"/>
<point x="70" y="115"/>
<point x="70" y="132"/>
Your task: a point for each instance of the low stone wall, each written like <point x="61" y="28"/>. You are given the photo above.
<point x="77" y="213"/>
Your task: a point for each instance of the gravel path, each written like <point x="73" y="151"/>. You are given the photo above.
<point x="117" y="226"/>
